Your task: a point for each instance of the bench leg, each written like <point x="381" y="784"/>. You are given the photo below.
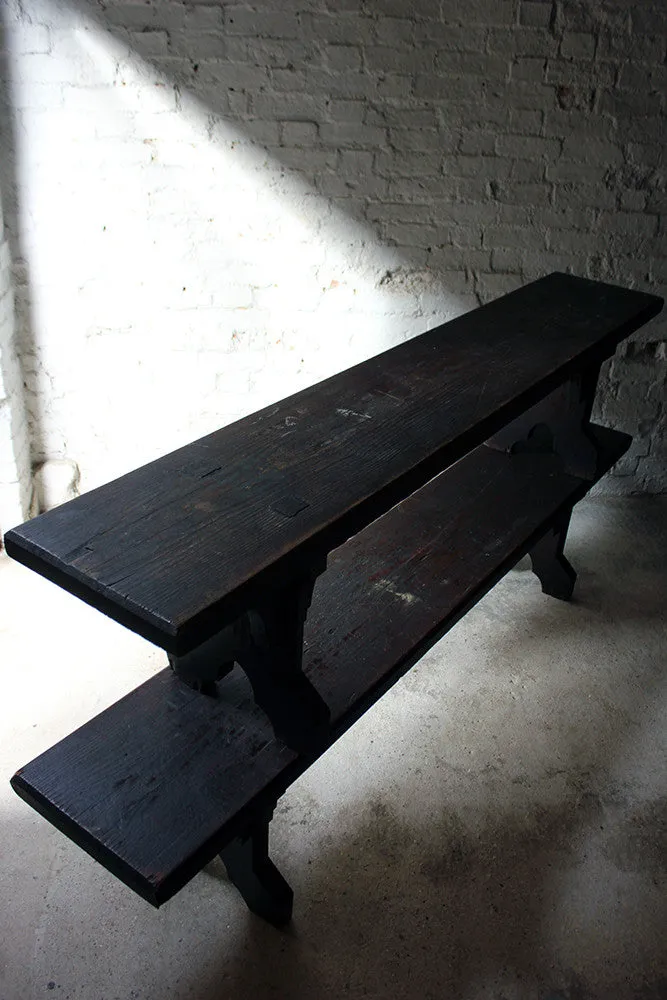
<point x="267" y="642"/>
<point x="272" y="657"/>
<point x="550" y="565"/>
<point x="208" y="663"/>
<point x="256" y="877"/>
<point x="558" y="424"/>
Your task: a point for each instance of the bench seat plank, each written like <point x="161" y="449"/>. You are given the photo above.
<point x="178" y="547"/>
<point x="158" y="783"/>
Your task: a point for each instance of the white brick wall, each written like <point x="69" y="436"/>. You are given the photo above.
<point x="219" y="203"/>
<point x="14" y="446"/>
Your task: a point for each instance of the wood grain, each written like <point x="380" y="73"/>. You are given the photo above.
<point x="178" y="547"/>
<point x="157" y="784"/>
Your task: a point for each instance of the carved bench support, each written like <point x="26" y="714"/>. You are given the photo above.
<point x="271" y="654"/>
<point x="251" y="870"/>
<point x="550" y="565"/>
<point x="267" y="643"/>
<point x="208" y="663"/>
<point x="560" y="424"/>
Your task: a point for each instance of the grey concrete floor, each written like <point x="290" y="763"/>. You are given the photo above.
<point x="495" y="828"/>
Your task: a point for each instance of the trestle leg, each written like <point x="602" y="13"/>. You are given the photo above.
<point x="549" y="563"/>
<point x="558" y="424"/>
<point x="271" y="654"/>
<point x="251" y="870"/>
<point x="267" y="642"/>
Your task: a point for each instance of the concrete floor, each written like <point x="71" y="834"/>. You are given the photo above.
<point x="495" y="828"/>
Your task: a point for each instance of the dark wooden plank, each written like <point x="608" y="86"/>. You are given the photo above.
<point x="175" y="548"/>
<point x="155" y="786"/>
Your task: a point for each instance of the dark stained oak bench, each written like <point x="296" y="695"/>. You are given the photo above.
<point x="392" y="496"/>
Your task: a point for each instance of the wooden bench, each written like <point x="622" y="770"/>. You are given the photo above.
<point x="394" y="495"/>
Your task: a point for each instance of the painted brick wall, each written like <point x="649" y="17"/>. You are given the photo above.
<point x="14" y="442"/>
<point x="219" y="203"/>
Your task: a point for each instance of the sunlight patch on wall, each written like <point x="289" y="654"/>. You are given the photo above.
<point x="180" y="277"/>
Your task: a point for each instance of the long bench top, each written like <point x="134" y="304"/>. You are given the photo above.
<point x="158" y="783"/>
<point x="178" y="547"/>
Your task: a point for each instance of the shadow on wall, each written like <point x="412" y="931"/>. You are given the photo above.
<point x="445" y="133"/>
<point x="223" y="205"/>
<point x="330" y="96"/>
<point x="387" y="124"/>
<point x="15" y="486"/>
